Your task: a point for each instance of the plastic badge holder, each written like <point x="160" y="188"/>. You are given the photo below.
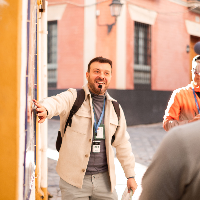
<point x="126" y="195"/>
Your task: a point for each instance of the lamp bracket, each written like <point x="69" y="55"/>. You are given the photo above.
<point x="108" y="25"/>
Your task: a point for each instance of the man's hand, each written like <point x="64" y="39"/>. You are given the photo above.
<point x="131" y="184"/>
<point x="41" y="111"/>
<point x="197" y="117"/>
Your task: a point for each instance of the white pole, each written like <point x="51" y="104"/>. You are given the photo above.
<point x="43" y="94"/>
<point x="39" y="92"/>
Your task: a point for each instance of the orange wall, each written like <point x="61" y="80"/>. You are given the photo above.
<point x="170" y="62"/>
<point x="70" y="47"/>
<point x="10" y="59"/>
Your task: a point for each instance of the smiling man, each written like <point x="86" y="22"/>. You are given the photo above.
<point x="184" y="104"/>
<point x="86" y="158"/>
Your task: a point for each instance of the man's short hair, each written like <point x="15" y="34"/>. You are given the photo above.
<point x="100" y="60"/>
<point x="197" y="58"/>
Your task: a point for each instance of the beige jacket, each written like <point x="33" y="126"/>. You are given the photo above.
<point x="76" y="145"/>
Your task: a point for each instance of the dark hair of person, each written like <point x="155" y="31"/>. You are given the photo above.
<point x="197" y="58"/>
<point x="100" y="60"/>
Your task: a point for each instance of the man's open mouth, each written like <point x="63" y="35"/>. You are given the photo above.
<point x="100" y="83"/>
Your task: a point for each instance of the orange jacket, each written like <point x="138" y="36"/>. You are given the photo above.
<point x="181" y="107"/>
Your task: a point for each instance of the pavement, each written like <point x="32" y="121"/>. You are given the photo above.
<point x="144" y="139"/>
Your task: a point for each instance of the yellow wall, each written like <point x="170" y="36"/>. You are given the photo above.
<point x="10" y="55"/>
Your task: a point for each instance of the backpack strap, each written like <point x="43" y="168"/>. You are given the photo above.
<point x="117" y="110"/>
<point x="116" y="107"/>
<point x="77" y="104"/>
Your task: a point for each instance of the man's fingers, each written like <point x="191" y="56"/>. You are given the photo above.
<point x="41" y="109"/>
<point x="35" y="101"/>
<point x="41" y="120"/>
<point x="41" y="114"/>
<point x="37" y="104"/>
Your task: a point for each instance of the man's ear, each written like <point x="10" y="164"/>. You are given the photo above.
<point x="87" y="75"/>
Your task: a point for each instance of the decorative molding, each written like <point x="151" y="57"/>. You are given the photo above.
<point x="55" y="12"/>
<point x="193" y="28"/>
<point x="142" y="15"/>
<point x="180" y="2"/>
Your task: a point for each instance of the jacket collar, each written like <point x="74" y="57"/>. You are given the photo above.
<point x="87" y="92"/>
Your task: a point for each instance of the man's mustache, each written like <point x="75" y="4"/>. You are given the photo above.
<point x="100" y="79"/>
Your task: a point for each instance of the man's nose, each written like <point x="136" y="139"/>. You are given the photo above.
<point x="101" y="76"/>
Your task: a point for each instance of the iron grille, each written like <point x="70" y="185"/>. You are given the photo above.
<point x="142" y="56"/>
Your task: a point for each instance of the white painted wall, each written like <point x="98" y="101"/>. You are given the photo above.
<point x="121" y="49"/>
<point x="89" y="35"/>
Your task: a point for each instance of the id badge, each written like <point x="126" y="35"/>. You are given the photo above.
<point x="96" y="146"/>
<point x="100" y="132"/>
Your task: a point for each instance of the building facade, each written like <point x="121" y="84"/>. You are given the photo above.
<point x="151" y="46"/>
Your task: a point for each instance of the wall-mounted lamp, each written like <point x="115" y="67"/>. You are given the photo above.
<point x="187" y="48"/>
<point x="115" y="9"/>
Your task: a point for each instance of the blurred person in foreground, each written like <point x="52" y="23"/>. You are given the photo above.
<point x="174" y="173"/>
<point x="86" y="158"/>
<point x="184" y="104"/>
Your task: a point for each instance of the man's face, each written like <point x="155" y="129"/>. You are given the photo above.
<point x="196" y="73"/>
<point x="100" y="74"/>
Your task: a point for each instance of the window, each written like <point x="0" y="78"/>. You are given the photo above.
<point x="142" y="56"/>
<point x="52" y="54"/>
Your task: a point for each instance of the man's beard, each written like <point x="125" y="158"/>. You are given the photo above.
<point x="94" y="89"/>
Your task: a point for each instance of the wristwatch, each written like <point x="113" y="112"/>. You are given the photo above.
<point x="131" y="177"/>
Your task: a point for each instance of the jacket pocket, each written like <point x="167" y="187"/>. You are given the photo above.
<point x="81" y="122"/>
<point x="113" y="125"/>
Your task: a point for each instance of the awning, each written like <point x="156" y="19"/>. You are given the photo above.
<point x="142" y="15"/>
<point x="193" y="28"/>
<point x="55" y="12"/>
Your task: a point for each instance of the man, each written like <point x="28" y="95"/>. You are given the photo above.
<point x="174" y="173"/>
<point x="86" y="158"/>
<point x="184" y="104"/>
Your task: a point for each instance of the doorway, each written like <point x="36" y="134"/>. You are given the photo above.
<point x="193" y="41"/>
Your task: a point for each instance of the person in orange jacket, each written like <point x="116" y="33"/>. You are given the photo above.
<point x="184" y="104"/>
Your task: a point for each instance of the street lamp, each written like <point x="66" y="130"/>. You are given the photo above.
<point x="115" y="9"/>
